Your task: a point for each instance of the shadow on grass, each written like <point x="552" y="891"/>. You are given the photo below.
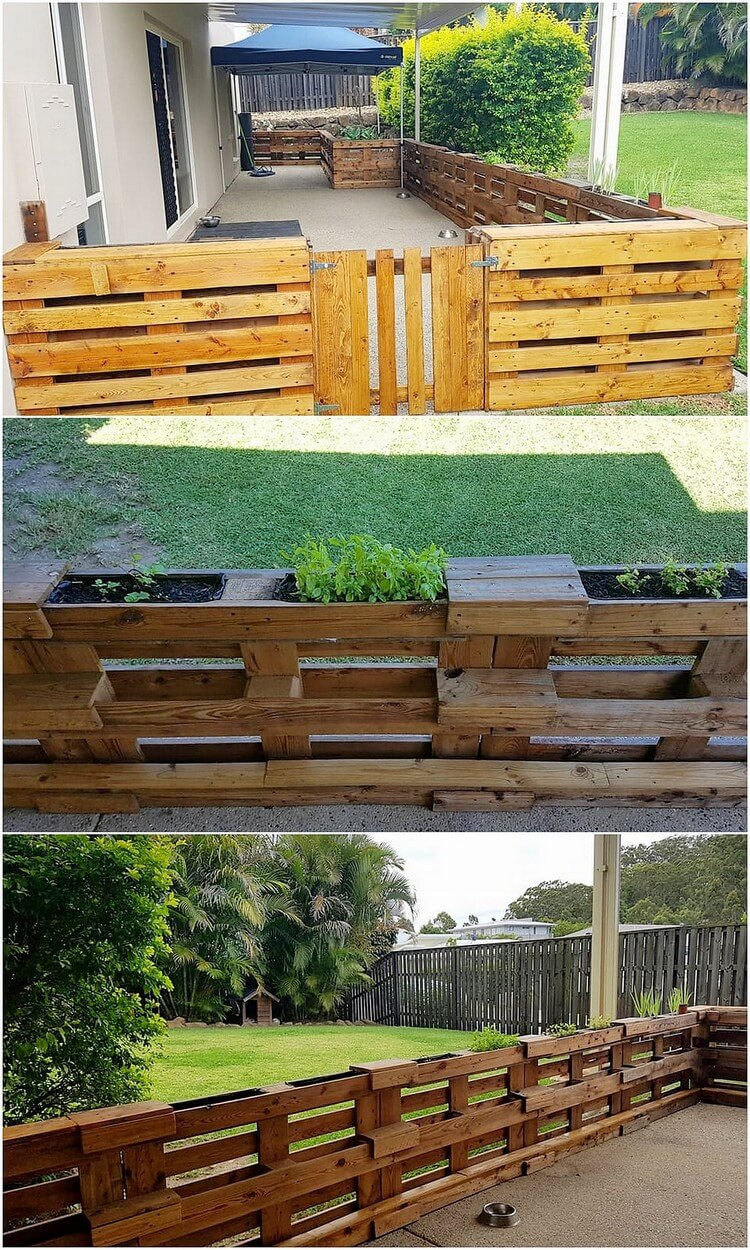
<point x="234" y="507"/>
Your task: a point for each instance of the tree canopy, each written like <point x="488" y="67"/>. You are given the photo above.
<point x="443" y="923"/>
<point x="680" y="880"/>
<point x="85" y="948"/>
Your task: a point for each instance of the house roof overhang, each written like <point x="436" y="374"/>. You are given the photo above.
<point x="415" y="16"/>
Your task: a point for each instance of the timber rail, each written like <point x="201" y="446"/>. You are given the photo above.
<point x="402" y="1137"/>
<point x="467" y="703"/>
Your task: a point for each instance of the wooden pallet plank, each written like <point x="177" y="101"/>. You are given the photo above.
<point x="385" y="295"/>
<point x="414" y="316"/>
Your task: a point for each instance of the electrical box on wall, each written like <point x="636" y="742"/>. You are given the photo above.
<point x="42" y="135"/>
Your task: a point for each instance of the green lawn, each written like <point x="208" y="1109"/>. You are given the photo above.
<point x="708" y="152"/>
<point x="236" y="491"/>
<point x="216" y="1061"/>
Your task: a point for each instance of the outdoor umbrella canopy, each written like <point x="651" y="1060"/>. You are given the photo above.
<point x="318" y="49"/>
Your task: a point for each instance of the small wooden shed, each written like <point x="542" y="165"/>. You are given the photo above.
<point x="257" y="1006"/>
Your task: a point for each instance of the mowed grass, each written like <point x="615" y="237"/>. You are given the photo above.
<point x="199" y="1062"/>
<point x="708" y="152"/>
<point x="237" y="492"/>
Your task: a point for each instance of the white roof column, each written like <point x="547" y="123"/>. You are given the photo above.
<point x="605" y="926"/>
<point x="606" y="102"/>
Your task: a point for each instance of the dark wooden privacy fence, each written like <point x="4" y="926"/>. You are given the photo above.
<point x="401" y="1137"/>
<point x="646" y="58"/>
<point x="522" y="986"/>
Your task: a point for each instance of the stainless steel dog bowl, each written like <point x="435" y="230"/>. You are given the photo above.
<point x="498" y="1215"/>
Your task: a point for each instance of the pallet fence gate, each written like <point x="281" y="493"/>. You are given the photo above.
<point x="524" y="985"/>
<point x="402" y="1137"/>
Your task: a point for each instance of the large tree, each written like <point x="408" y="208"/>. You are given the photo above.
<point x="345" y="890"/>
<point x="566" y="903"/>
<point x="442" y="923"/>
<point x="85" y="943"/>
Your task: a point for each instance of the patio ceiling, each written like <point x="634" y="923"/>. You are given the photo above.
<point x="383" y="16"/>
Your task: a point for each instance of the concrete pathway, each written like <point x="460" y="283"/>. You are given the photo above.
<point x="678" y="1182"/>
<point x="386" y="820"/>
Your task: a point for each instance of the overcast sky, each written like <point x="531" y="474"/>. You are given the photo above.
<point x="482" y="873"/>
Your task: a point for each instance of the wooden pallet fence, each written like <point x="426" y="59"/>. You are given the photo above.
<point x="202" y="328"/>
<point x="528" y="985"/>
<point x="601" y="312"/>
<point x="403" y="1137"/>
<point x="468" y="703"/>
<point x="287" y="147"/>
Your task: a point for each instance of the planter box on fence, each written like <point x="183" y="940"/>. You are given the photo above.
<point x="469" y="703"/>
<point x="352" y="163"/>
<point x="407" y="1155"/>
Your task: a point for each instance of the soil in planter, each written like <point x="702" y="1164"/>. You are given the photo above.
<point x="80" y="588"/>
<point x="604" y="585"/>
<point x="286" y="589"/>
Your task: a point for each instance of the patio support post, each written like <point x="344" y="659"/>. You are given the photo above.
<point x="605" y="926"/>
<point x="606" y="95"/>
<point x="401" y="123"/>
<point x="417" y="85"/>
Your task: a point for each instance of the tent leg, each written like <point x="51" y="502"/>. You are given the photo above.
<point x="402" y="194"/>
<point x="417" y="86"/>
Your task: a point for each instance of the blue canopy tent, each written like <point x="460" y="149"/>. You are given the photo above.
<point x="288" y="49"/>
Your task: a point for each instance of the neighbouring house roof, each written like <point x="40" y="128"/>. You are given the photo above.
<point x="321" y="49"/>
<point x="627" y="928"/>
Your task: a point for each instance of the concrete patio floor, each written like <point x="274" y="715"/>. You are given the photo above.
<point x="384" y="820"/>
<point x="367" y="218"/>
<point x="678" y="1182"/>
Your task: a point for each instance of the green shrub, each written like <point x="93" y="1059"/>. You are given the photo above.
<point x="491" y="1039"/>
<point x="360" y="569"/>
<point x="508" y="90"/>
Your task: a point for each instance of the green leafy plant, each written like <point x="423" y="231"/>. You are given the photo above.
<point x="632" y="579"/>
<point x="105" y="588"/>
<point x="664" y="181"/>
<point x="675" y="576"/>
<point x="359" y="132"/>
<point x="711" y="580"/>
<point x="360" y="569"/>
<point x="647" y="1003"/>
<point x="509" y="89"/>
<point x="144" y="574"/>
<point x="706" y="40"/>
<point x="599" y="1022"/>
<point x="562" y="1030"/>
<point x="678" y="997"/>
<point x="491" y="1039"/>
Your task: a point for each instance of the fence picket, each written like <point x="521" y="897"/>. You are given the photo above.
<point x="525" y="986"/>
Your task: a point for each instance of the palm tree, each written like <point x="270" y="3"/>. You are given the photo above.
<point x="224" y="892"/>
<point x="346" y="890"/>
<point x="706" y="40"/>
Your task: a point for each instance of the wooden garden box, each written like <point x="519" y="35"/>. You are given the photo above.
<point x="468" y="703"/>
<point x="352" y="163"/>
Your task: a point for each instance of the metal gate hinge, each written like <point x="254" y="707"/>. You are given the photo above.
<point x="315" y="265"/>
<point x="490" y="262"/>
<point x="320" y="408"/>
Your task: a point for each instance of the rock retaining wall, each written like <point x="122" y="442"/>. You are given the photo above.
<point x="678" y="94"/>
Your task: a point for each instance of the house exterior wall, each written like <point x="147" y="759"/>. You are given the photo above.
<point x="115" y="36"/>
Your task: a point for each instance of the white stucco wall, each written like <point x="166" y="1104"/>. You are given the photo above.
<point x="123" y="112"/>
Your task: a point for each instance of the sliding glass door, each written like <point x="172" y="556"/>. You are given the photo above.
<point x="172" y="132"/>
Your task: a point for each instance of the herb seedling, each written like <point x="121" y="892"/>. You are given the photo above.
<point x="144" y="574"/>
<point x="105" y="588"/>
<point x="600" y="1022"/>
<point x="562" y="1030"/>
<point x="711" y="580"/>
<point x="675" y="577"/>
<point x="632" y="579"/>
<point x="360" y="569"/>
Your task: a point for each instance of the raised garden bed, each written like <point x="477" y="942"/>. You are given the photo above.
<point x="483" y="700"/>
<point x="392" y="1152"/>
<point x="352" y="163"/>
<point x="115" y="587"/>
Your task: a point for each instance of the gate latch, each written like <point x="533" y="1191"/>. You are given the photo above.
<point x="489" y="262"/>
<point x="321" y="408"/>
<point x="315" y="265"/>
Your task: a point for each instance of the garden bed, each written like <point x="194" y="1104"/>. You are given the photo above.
<point x="352" y="163"/>
<point x="111" y="586"/>
<point x="480" y="701"/>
